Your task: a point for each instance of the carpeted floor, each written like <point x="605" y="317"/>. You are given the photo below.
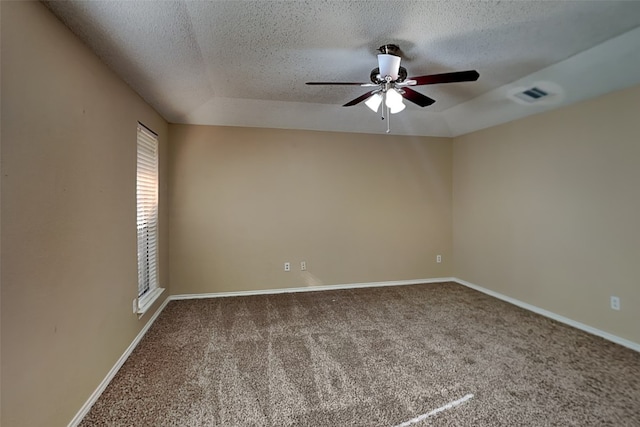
<point x="369" y="357"/>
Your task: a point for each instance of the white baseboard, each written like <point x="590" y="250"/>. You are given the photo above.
<point x="602" y="334"/>
<point x="311" y="288"/>
<point x="114" y="370"/>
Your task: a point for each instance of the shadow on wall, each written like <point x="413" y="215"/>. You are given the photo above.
<point x="309" y="279"/>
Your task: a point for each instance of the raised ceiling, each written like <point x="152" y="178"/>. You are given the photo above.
<point x="245" y="63"/>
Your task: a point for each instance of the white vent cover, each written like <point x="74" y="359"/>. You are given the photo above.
<point x="540" y="93"/>
<point x="531" y="95"/>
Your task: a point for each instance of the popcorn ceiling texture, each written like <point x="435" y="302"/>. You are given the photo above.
<point x="369" y="357"/>
<point x="179" y="54"/>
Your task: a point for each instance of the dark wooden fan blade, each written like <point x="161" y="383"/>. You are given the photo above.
<point x="457" y="76"/>
<point x="335" y="83"/>
<point x="359" y="99"/>
<point x="417" y="97"/>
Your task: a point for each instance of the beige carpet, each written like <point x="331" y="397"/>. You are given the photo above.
<point x="369" y="357"/>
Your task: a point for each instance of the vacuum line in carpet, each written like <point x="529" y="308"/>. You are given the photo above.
<point x="436" y="411"/>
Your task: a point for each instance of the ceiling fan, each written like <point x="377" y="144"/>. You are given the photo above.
<point x="391" y="83"/>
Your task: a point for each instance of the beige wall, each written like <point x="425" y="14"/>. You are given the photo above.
<point x="68" y="218"/>
<point x="356" y="208"/>
<point x="546" y="210"/>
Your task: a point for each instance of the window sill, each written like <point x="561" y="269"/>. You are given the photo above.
<point x="147" y="301"/>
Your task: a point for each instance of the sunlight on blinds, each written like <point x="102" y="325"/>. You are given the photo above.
<point x="147" y="215"/>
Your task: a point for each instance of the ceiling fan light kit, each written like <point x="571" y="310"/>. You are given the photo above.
<point x="392" y="83"/>
<point x="374" y="102"/>
<point x="394" y="101"/>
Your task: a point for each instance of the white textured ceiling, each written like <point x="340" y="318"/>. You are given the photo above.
<point x="245" y="63"/>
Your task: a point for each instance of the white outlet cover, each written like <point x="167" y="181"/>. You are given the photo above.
<point x="615" y="303"/>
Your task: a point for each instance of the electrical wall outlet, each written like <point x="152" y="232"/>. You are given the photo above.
<point x="287" y="266"/>
<point x="303" y="265"/>
<point x="438" y="258"/>
<point x="615" y="303"/>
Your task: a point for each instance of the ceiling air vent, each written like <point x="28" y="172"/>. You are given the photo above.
<point x="531" y="95"/>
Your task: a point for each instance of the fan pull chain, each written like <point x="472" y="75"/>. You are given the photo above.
<point x="386" y="107"/>
<point x="388" y="121"/>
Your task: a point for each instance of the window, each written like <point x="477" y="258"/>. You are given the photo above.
<point x="147" y="218"/>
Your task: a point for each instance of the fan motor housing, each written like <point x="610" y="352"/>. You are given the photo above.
<point x="376" y="78"/>
<point x="391" y="49"/>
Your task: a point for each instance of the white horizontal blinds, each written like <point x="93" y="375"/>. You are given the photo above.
<point x="147" y="217"/>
